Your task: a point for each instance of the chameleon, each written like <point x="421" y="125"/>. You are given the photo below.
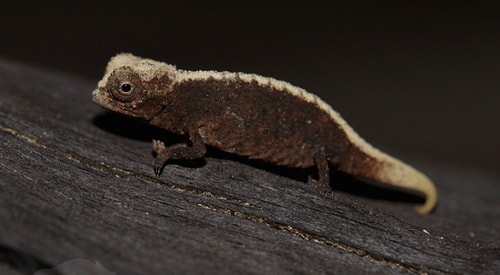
<point x="251" y="116"/>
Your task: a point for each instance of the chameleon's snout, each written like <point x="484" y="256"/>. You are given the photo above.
<point x="95" y="95"/>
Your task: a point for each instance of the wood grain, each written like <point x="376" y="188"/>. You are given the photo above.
<point x="78" y="191"/>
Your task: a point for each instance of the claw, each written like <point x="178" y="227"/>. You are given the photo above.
<point x="157" y="170"/>
<point x="159" y="149"/>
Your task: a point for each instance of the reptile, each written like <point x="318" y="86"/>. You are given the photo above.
<point x="251" y="116"/>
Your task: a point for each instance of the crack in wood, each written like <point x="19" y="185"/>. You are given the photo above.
<point x="312" y="238"/>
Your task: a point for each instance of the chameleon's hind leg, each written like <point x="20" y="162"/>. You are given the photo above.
<point x="322" y="184"/>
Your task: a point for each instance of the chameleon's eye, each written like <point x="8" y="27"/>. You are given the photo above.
<point x="126" y="87"/>
<point x="125" y="84"/>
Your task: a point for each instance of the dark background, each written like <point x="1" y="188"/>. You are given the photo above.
<point x="419" y="79"/>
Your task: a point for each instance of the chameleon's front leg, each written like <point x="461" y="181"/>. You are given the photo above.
<point x="178" y="151"/>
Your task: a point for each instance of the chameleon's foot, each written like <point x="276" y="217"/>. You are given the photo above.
<point x="157" y="170"/>
<point x="162" y="155"/>
<point x="322" y="186"/>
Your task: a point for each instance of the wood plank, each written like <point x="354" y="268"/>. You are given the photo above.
<point x="77" y="186"/>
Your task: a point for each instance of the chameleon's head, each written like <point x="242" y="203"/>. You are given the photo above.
<point x="135" y="86"/>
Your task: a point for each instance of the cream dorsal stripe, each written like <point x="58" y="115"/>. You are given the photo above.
<point x="390" y="171"/>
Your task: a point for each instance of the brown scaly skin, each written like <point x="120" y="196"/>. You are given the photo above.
<point x="248" y="115"/>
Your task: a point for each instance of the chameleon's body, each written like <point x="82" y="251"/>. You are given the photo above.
<point x="248" y="115"/>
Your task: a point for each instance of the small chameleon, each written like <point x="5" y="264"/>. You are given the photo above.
<point x="252" y="116"/>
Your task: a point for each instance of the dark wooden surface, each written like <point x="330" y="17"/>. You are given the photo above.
<point x="77" y="190"/>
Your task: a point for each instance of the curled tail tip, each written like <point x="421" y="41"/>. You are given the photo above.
<point x="429" y="205"/>
<point x="404" y="176"/>
<point x="426" y="186"/>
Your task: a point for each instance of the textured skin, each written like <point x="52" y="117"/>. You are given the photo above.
<point x="253" y="121"/>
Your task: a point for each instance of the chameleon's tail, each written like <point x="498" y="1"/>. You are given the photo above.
<point x="401" y="175"/>
<point x="365" y="161"/>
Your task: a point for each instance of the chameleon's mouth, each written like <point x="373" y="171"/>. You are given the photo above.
<point x="96" y="97"/>
<point x="100" y="97"/>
